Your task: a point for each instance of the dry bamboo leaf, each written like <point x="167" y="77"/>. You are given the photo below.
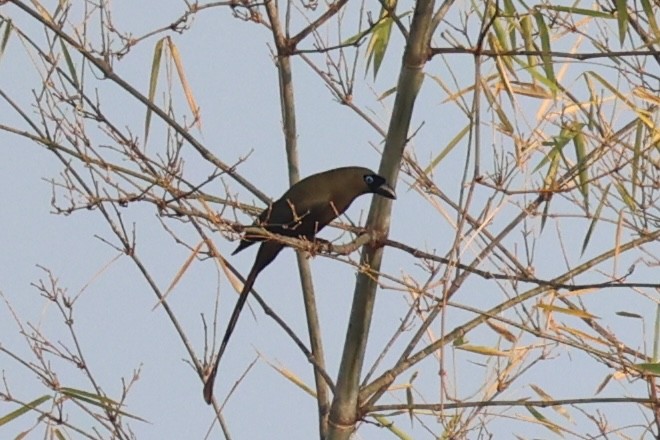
<point x="567" y="311"/>
<point x="500" y="330"/>
<point x="180" y="273"/>
<point x="187" y="90"/>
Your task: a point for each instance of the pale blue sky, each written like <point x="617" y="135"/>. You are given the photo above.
<point x="235" y="83"/>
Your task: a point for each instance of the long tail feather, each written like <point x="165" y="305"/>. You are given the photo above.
<point x="267" y="252"/>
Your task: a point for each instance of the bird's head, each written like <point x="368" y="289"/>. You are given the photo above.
<point x="377" y="184"/>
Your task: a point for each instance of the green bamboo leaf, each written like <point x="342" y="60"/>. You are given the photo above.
<point x="544" y="421"/>
<point x="592" y="225"/>
<point x="387" y="93"/>
<point x="583" y="170"/>
<point x="559" y="142"/>
<point x="497" y="26"/>
<point x="551" y="176"/>
<point x="650" y="16"/>
<point x="546" y="208"/>
<point x="625" y="196"/>
<point x="629" y="315"/>
<point x="637" y="148"/>
<point x="548" y="398"/>
<point x="360" y="35"/>
<point x="579" y="11"/>
<point x="59" y="435"/>
<point x="380" y="38"/>
<point x="410" y="402"/>
<point x="649" y="368"/>
<point x="69" y="64"/>
<point x="548" y="67"/>
<point x="153" y="82"/>
<point x="445" y="151"/>
<point x="622" y="19"/>
<point x="551" y="85"/>
<point x="356" y="38"/>
<point x="5" y="37"/>
<point x="505" y="125"/>
<point x="97" y="400"/>
<point x="527" y="32"/>
<point x="642" y="114"/>
<point x="501" y="37"/>
<point x="22" y="410"/>
<point x="510" y="11"/>
<point x="501" y="65"/>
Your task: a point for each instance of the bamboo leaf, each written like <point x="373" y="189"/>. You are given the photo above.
<point x="294" y="379"/>
<point x="559" y="142"/>
<point x="42" y="11"/>
<point x="69" y="64"/>
<point x="5" y="36"/>
<point x="531" y="90"/>
<point x="579" y="292"/>
<point x="546" y="208"/>
<point x="500" y="65"/>
<point x="448" y="148"/>
<point x="544" y="421"/>
<point x="410" y="401"/>
<point x="547" y="397"/>
<point x="622" y="19"/>
<point x="652" y="368"/>
<point x="548" y="66"/>
<point x="360" y="35"/>
<point x="603" y="384"/>
<point x="505" y="125"/>
<point x="625" y="196"/>
<point x="583" y="169"/>
<point x="499" y="42"/>
<point x="567" y="311"/>
<point x="97" y="400"/>
<point x="380" y="36"/>
<point x="650" y="16"/>
<point x="153" y="83"/>
<point x="579" y="11"/>
<point x="530" y="68"/>
<point x="22" y="410"/>
<point x="637" y="148"/>
<point x="483" y="350"/>
<point x="187" y="90"/>
<point x="510" y="11"/>
<point x="179" y="275"/>
<point x="583" y="335"/>
<point x="643" y="115"/>
<point x="592" y="225"/>
<point x="527" y="32"/>
<point x="387" y="93"/>
<point x="500" y="330"/>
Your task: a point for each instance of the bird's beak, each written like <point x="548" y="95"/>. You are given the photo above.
<point x="386" y="191"/>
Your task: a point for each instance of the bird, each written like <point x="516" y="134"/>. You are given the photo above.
<point x="303" y="210"/>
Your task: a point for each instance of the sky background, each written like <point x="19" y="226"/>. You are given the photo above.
<point x="232" y="75"/>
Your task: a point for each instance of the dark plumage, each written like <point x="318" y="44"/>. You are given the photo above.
<point x="305" y="209"/>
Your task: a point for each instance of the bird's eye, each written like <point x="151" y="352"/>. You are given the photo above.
<point x="369" y="180"/>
